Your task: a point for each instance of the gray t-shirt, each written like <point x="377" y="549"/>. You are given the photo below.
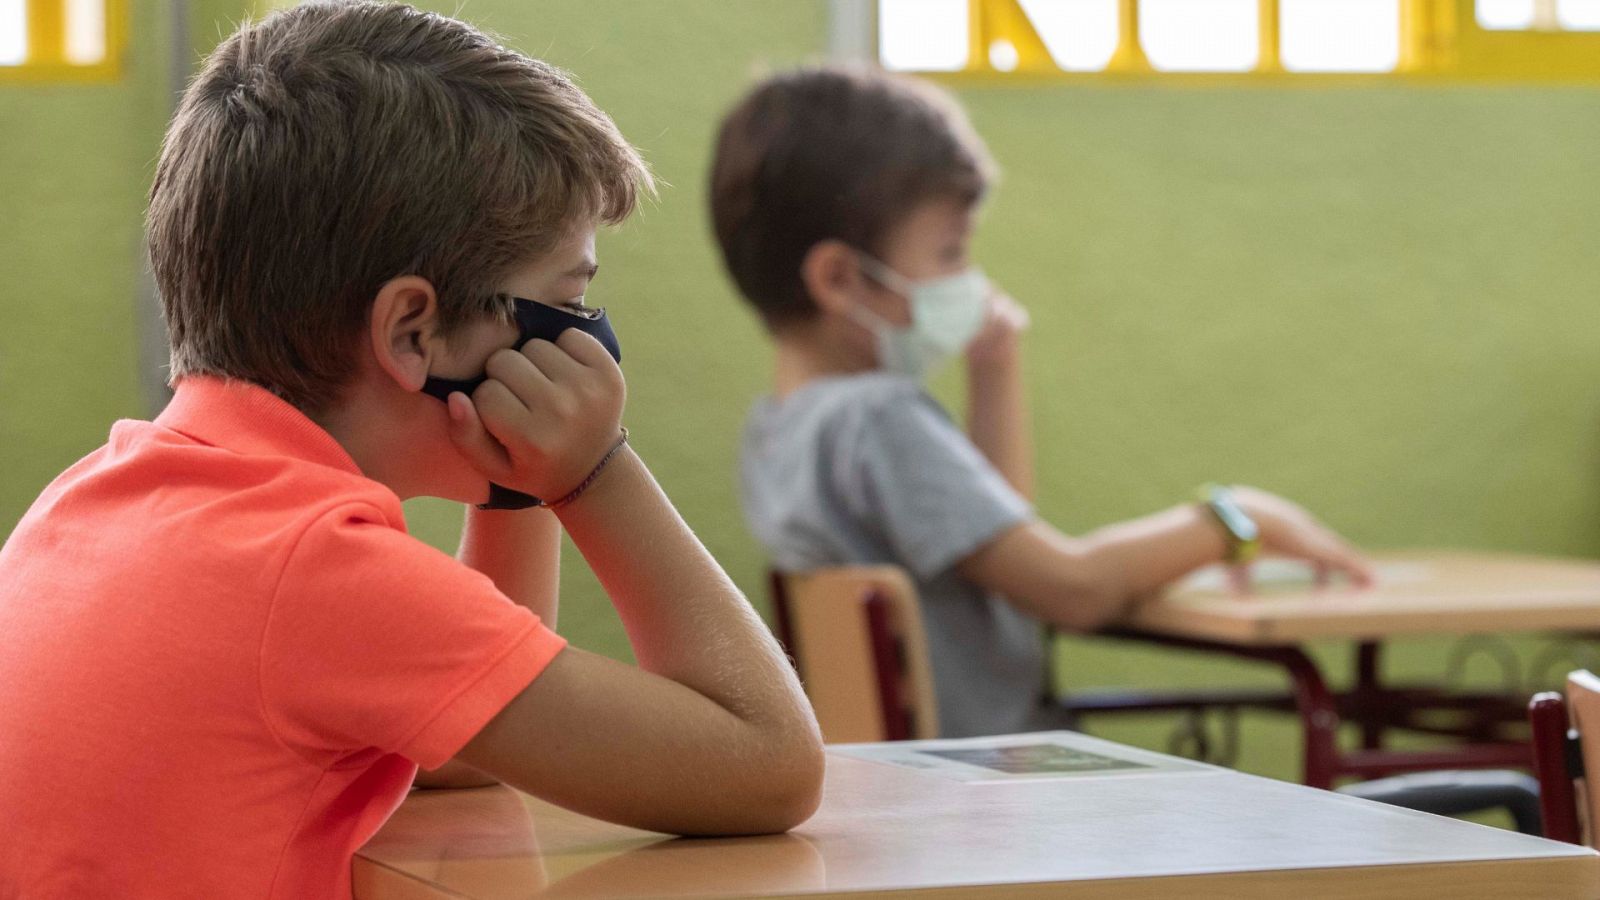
<point x="869" y="469"/>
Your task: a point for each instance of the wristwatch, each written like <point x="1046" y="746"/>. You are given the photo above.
<point x="1241" y="532"/>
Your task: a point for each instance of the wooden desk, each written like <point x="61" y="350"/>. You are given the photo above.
<point x="1430" y="593"/>
<point x="1188" y="831"/>
<point x="1436" y="593"/>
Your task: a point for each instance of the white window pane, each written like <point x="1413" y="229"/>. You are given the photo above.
<point x="1200" y="35"/>
<point x="1505" y="14"/>
<point x="13" y="32"/>
<point x="1081" y="35"/>
<point x="1340" y="35"/>
<point x="86" y="31"/>
<point x="1578" y="15"/>
<point x="922" y="35"/>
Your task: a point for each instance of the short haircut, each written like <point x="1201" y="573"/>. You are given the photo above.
<point x="334" y="146"/>
<point x="832" y="153"/>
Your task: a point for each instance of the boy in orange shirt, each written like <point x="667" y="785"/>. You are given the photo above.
<point x="845" y="203"/>
<point x="225" y="659"/>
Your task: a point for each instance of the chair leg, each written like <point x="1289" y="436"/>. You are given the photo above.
<point x="1556" y="766"/>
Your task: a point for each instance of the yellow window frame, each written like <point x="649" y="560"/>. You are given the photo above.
<point x="1439" y="39"/>
<point x="47" y="62"/>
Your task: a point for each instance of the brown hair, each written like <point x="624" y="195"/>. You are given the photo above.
<point x="840" y="153"/>
<point x="337" y="145"/>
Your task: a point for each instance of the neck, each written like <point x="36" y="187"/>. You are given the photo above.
<point x="814" y="350"/>
<point x="355" y="421"/>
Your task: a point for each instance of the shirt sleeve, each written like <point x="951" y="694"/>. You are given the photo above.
<point x="376" y="640"/>
<point x="933" y="496"/>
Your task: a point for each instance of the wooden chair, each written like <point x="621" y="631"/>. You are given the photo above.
<point x="1566" y="744"/>
<point x="855" y="635"/>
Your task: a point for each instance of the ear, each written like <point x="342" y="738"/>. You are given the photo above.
<point x="405" y="316"/>
<point x="832" y="276"/>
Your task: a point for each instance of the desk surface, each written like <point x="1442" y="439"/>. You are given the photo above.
<point x="1419" y="593"/>
<point x="1174" y="828"/>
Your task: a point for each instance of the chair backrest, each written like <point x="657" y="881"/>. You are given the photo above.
<point x="1583" y="705"/>
<point x="1566" y="745"/>
<point x="856" y="636"/>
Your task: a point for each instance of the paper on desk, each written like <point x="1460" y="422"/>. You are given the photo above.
<point x="1019" y="757"/>
<point x="1275" y="575"/>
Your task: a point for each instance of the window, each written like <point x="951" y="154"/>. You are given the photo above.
<point x="1301" y="40"/>
<point x="13" y="31"/>
<point x="923" y="35"/>
<point x="1578" y="15"/>
<point x="1200" y="35"/>
<point x="1081" y="35"/>
<point x="1340" y="35"/>
<point x="1539" y="15"/>
<point x="85" y="42"/>
<point x="59" y="39"/>
<point x="1505" y="15"/>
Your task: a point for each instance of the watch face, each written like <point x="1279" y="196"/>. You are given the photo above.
<point x="1243" y="527"/>
<point x="1244" y="534"/>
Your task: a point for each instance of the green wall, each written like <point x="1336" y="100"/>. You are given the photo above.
<point x="75" y="162"/>
<point x="1378" y="300"/>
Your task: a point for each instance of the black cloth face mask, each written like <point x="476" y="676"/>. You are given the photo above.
<point x="534" y="321"/>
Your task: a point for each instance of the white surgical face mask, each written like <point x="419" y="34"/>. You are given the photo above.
<point x="946" y="314"/>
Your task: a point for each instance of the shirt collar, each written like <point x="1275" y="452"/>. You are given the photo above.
<point x="249" y="419"/>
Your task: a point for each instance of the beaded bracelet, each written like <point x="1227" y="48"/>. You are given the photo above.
<point x="599" y="467"/>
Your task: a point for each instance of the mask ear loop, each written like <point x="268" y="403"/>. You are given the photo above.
<point x="883" y="275"/>
<point x="889" y="280"/>
<point x="868" y="319"/>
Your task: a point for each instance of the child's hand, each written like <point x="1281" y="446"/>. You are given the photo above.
<point x="1000" y="337"/>
<point x="1289" y="530"/>
<point x="545" y="417"/>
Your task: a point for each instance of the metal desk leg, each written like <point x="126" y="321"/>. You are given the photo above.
<point x="1319" y="717"/>
<point x="1371" y="706"/>
<point x="1318" y="707"/>
<point x="1366" y="691"/>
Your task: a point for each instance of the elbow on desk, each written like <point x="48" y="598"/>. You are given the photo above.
<point x="786" y="795"/>
<point x="790" y="809"/>
<point x="770" y="800"/>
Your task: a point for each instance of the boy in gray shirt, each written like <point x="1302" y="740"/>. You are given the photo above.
<point x="844" y="203"/>
<point x="868" y="469"/>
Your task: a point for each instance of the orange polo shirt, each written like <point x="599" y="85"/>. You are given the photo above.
<point x="223" y="659"/>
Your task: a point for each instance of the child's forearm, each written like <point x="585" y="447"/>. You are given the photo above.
<point x="1147" y="553"/>
<point x="685" y="618"/>
<point x="708" y="734"/>
<point x="520" y="551"/>
<point x="998" y="421"/>
<point x="1086" y="583"/>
